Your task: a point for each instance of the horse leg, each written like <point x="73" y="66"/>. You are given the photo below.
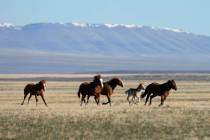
<point x="36" y="99"/>
<point x="43" y="99"/>
<point x="97" y="100"/>
<point x="148" y="95"/>
<point x="29" y="98"/>
<point x="137" y="98"/>
<point x="87" y="99"/>
<point x="25" y="95"/>
<point x="150" y="101"/>
<point x="109" y="100"/>
<point x="162" y="100"/>
<point x="128" y="99"/>
<point x="133" y="99"/>
<point x="83" y="99"/>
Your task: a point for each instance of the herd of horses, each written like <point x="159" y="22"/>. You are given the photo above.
<point x="98" y="87"/>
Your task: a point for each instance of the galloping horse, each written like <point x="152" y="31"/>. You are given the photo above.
<point x="91" y="89"/>
<point x="35" y="89"/>
<point x="133" y="92"/>
<point x="109" y="87"/>
<point x="158" y="90"/>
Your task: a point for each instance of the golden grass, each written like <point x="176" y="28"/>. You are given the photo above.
<point x="185" y="114"/>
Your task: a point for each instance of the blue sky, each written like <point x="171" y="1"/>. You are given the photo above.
<point x="190" y="15"/>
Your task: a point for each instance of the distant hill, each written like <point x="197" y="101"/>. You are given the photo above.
<point x="75" y="47"/>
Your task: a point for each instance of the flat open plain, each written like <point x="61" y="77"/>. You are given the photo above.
<point x="185" y="114"/>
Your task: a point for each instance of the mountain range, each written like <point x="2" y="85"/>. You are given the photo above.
<point x="82" y="47"/>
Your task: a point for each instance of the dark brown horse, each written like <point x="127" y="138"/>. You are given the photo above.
<point x="91" y="89"/>
<point x="155" y="89"/>
<point x="35" y="89"/>
<point x="109" y="87"/>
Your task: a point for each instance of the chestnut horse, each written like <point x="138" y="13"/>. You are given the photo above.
<point x="35" y="89"/>
<point x="91" y="89"/>
<point x="159" y="90"/>
<point x="109" y="87"/>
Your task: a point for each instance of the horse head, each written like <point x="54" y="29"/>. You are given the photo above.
<point x="116" y="81"/>
<point x="42" y="84"/>
<point x="173" y="84"/>
<point x="140" y="87"/>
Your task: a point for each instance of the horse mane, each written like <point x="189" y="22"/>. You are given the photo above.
<point x="167" y="85"/>
<point x="97" y="77"/>
<point x="40" y="86"/>
<point x="114" y="82"/>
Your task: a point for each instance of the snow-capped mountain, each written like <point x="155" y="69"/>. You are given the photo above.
<point x="70" y="47"/>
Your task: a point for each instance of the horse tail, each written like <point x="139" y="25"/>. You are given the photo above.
<point x="126" y="92"/>
<point x="78" y="93"/>
<point x="80" y="89"/>
<point x="143" y="95"/>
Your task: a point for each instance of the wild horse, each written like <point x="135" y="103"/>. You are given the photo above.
<point x="35" y="89"/>
<point x="91" y="89"/>
<point x="109" y="87"/>
<point x="133" y="92"/>
<point x="155" y="89"/>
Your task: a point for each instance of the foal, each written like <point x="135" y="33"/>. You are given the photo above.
<point x="133" y="92"/>
<point x="35" y="89"/>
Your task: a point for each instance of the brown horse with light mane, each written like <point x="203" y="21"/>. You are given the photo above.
<point x="91" y="89"/>
<point x="109" y="87"/>
<point x="155" y="89"/>
<point x="35" y="89"/>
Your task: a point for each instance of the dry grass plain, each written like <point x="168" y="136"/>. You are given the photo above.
<point x="185" y="114"/>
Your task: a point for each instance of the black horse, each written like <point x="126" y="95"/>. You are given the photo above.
<point x="155" y="89"/>
<point x="91" y="89"/>
<point x="35" y="89"/>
